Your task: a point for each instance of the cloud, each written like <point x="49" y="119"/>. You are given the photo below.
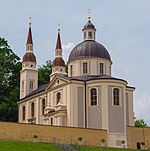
<point x="142" y="108"/>
<point x="66" y="50"/>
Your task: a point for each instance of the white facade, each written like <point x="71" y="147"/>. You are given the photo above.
<point x="88" y="97"/>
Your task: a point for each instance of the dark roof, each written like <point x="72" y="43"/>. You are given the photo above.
<point x="94" y="77"/>
<point x="89" y="25"/>
<point x="39" y="89"/>
<point x="29" y="39"/>
<point x="88" y="49"/>
<point x="78" y="78"/>
<point x="29" y="57"/>
<point x="58" y="45"/>
<point x="58" y="62"/>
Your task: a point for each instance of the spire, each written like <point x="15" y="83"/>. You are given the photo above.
<point x="29" y="39"/>
<point x="58" y="45"/>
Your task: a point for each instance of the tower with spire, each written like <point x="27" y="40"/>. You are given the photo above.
<point x="58" y="65"/>
<point x="29" y="73"/>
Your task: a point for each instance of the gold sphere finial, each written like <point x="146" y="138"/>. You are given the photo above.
<point x="58" y="27"/>
<point x="89" y="14"/>
<point x="30" y="21"/>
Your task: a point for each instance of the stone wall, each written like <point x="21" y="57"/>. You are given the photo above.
<point x="137" y="135"/>
<point x="51" y="134"/>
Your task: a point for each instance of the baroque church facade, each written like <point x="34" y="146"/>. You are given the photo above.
<point x="88" y="96"/>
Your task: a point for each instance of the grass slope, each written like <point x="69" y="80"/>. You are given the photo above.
<point x="26" y="146"/>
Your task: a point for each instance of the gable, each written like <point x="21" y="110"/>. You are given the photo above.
<point x="56" y="82"/>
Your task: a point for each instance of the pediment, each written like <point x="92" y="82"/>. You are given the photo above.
<point x="57" y="81"/>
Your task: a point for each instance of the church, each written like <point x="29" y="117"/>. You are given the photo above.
<point x="88" y="96"/>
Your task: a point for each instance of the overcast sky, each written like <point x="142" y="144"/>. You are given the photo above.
<point x="123" y="27"/>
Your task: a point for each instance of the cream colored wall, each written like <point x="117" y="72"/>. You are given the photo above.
<point x="93" y="66"/>
<point x="27" y="75"/>
<point x="129" y="91"/>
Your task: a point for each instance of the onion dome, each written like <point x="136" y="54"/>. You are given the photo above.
<point x="29" y="57"/>
<point x="58" y="62"/>
<point x="89" y="49"/>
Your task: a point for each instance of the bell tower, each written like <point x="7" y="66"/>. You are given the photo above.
<point x="29" y="73"/>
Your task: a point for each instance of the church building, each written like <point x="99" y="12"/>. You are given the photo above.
<point x="88" y="96"/>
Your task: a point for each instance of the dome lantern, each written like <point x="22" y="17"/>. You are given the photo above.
<point x="89" y="30"/>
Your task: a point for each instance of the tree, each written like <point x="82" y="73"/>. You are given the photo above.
<point x="44" y="72"/>
<point x="10" y="67"/>
<point x="140" y="123"/>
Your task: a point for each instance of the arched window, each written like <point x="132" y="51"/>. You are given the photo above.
<point x="31" y="85"/>
<point x="84" y="67"/>
<point x="32" y="109"/>
<point x="58" y="97"/>
<point x="23" y="113"/>
<point x="93" y="93"/>
<point x="43" y="105"/>
<point x="71" y="70"/>
<point x="116" y="96"/>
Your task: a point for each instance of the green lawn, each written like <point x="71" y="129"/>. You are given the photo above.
<point x="91" y="148"/>
<point x="26" y="146"/>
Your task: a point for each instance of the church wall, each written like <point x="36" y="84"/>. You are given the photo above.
<point x="116" y="113"/>
<point x="93" y="66"/>
<point x="94" y="112"/>
<point x="80" y="107"/>
<point x="130" y="112"/>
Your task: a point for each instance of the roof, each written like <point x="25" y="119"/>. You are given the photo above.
<point x="29" y="56"/>
<point x="89" y="25"/>
<point x="58" y="62"/>
<point x="85" y="78"/>
<point x="89" y="49"/>
<point x="29" y="39"/>
<point x="58" y="44"/>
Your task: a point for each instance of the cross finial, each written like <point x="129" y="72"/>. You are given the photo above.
<point x="89" y="13"/>
<point x="58" y="28"/>
<point x="30" y="21"/>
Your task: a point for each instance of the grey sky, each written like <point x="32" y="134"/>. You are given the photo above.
<point x="123" y="27"/>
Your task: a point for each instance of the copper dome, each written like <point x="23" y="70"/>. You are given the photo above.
<point x="29" y="57"/>
<point x="89" y="49"/>
<point x="58" y="62"/>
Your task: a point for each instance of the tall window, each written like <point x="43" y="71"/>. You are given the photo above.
<point x="84" y="67"/>
<point x="101" y="68"/>
<point x="116" y="94"/>
<point x="43" y="105"/>
<point x="71" y="70"/>
<point x="31" y="85"/>
<point x="58" y="97"/>
<point x="32" y="109"/>
<point x="89" y="34"/>
<point x="23" y="113"/>
<point x="93" y="93"/>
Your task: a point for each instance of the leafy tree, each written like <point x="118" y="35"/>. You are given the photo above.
<point x="140" y="123"/>
<point x="44" y="72"/>
<point x="10" y="67"/>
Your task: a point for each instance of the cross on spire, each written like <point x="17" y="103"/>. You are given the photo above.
<point x="30" y="19"/>
<point x="89" y="14"/>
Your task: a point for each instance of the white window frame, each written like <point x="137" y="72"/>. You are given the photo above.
<point x="90" y="96"/>
<point x="119" y="97"/>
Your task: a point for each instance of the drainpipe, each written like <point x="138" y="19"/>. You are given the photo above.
<point x="85" y="104"/>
